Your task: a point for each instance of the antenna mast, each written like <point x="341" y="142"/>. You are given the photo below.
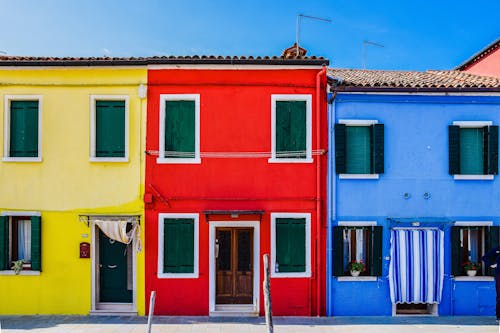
<point x="367" y="42"/>
<point x="297" y="27"/>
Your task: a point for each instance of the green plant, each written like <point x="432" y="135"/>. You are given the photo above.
<point x="471" y="266"/>
<point x="17" y="266"/>
<point x="358" y="266"/>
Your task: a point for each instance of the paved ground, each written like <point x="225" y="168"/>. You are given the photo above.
<point x="105" y="324"/>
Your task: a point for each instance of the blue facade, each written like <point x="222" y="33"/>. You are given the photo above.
<point x="416" y="164"/>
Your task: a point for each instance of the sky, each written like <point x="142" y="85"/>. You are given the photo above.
<point x="416" y="35"/>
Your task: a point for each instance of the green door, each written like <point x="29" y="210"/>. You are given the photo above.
<point x="113" y="271"/>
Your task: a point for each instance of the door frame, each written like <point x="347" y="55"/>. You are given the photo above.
<point x="256" y="259"/>
<point x="96" y="305"/>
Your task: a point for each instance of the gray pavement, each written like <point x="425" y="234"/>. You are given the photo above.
<point x="122" y="324"/>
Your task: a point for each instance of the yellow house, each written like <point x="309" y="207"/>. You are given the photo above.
<point x="72" y="175"/>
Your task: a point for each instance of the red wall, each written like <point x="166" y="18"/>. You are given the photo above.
<point x="235" y="116"/>
<point x="489" y="65"/>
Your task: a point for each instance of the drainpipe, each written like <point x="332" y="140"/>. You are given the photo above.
<point x="321" y="74"/>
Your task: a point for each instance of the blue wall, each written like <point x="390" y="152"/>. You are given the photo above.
<point x="416" y="162"/>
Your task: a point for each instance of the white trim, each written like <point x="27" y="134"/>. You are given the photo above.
<point x="359" y="176"/>
<point x="307" y="272"/>
<point x="292" y="97"/>
<point x="256" y="259"/>
<point x="472" y="124"/>
<point x="473" y="177"/>
<point x="473" y="223"/>
<point x="19" y="213"/>
<point x="234" y="67"/>
<point x="6" y="149"/>
<point x="474" y="278"/>
<point x="357" y="223"/>
<point x="161" y="151"/>
<point x="196" y="220"/>
<point x="93" y="100"/>
<point x="357" y="278"/>
<point x="21" y="273"/>
<point x="357" y="122"/>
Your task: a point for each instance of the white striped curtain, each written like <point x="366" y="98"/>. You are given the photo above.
<point x="416" y="269"/>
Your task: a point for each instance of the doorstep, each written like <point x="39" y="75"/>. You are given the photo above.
<point x="234" y="310"/>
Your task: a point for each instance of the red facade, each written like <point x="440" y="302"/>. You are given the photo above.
<point x="235" y="181"/>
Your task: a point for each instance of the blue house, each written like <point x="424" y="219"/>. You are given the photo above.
<point x="413" y="192"/>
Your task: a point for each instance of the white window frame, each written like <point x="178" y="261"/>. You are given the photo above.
<point x="7" y="111"/>
<point x="473" y="124"/>
<point x="161" y="152"/>
<point x="196" y="218"/>
<point x="292" y="97"/>
<point x="307" y="272"/>
<point x="357" y="278"/>
<point x="358" y="122"/>
<point x="19" y="214"/>
<point x="93" y="131"/>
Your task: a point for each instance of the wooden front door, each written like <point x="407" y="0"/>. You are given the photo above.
<point x="234" y="266"/>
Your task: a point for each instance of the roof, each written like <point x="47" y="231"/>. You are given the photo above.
<point x="479" y="55"/>
<point x="161" y="60"/>
<point x="431" y="80"/>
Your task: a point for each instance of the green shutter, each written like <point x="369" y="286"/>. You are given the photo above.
<point x="492" y="151"/>
<point x="110" y="129"/>
<point x="454" y="150"/>
<point x="36" y="243"/>
<point x="178" y="246"/>
<point x="338" y="251"/>
<point x="456" y="252"/>
<point x="471" y="151"/>
<point x="376" y="255"/>
<point x="180" y="129"/>
<point x="358" y="146"/>
<point x="291" y="244"/>
<point x="340" y="148"/>
<point x="492" y="241"/>
<point x="378" y="148"/>
<point x="4" y="243"/>
<point x="291" y="124"/>
<point x="23" y="129"/>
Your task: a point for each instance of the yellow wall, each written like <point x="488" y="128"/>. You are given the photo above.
<point x="66" y="184"/>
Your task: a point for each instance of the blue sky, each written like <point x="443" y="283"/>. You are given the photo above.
<point x="416" y="35"/>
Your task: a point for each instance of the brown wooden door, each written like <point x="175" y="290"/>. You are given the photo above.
<point x="234" y="266"/>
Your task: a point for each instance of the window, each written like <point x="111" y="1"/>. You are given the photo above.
<point x="20" y="239"/>
<point x="290" y="245"/>
<point x="469" y="242"/>
<point x="109" y="128"/>
<point x="473" y="150"/>
<point x="22" y="141"/>
<point x="178" y="246"/>
<point x="355" y="241"/>
<point x="359" y="148"/>
<point x="179" y="129"/>
<point x="291" y="128"/>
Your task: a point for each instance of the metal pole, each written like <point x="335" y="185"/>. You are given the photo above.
<point x="151" y="310"/>
<point x="267" y="296"/>
<point x="297" y="28"/>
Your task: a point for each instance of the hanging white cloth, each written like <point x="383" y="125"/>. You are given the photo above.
<point x="117" y="230"/>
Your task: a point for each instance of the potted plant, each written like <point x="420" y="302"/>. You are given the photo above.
<point x="18" y="265"/>
<point x="471" y="267"/>
<point x="356" y="267"/>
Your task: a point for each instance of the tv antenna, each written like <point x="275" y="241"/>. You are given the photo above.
<point x="297" y="34"/>
<point x="367" y="42"/>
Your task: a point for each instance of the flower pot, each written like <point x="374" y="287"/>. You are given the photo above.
<point x="471" y="272"/>
<point x="355" y="273"/>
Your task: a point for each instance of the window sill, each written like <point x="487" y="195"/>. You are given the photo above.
<point x="474" y="278"/>
<point x="177" y="275"/>
<point x="357" y="279"/>
<point x="25" y="273"/>
<point x="109" y="159"/>
<point x="291" y="275"/>
<point x="473" y="177"/>
<point x="290" y="160"/>
<point x="21" y="159"/>
<point x="359" y="176"/>
<point x="178" y="160"/>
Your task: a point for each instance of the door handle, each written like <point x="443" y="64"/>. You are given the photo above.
<point x="216" y="249"/>
<point x="112" y="266"/>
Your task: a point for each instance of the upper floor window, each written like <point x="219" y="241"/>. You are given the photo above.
<point x="109" y="128"/>
<point x="179" y="129"/>
<point x="359" y="148"/>
<point x="291" y="128"/>
<point x="473" y="150"/>
<point x="22" y="132"/>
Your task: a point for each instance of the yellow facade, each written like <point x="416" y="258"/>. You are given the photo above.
<point x="66" y="184"/>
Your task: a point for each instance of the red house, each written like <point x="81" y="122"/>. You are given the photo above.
<point x="235" y="169"/>
<point x="485" y="62"/>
